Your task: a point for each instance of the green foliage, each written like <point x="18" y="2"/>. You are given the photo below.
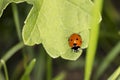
<point x="12" y="51"/>
<point x="4" y="4"/>
<point x="60" y="76"/>
<point x="2" y="62"/>
<point x="52" y="22"/>
<point x="107" y="60"/>
<point x="26" y="75"/>
<point x="115" y="75"/>
<point x="93" y="37"/>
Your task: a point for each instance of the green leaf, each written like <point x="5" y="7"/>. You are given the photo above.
<point x="4" y="4"/>
<point x="31" y="30"/>
<point x="52" y="22"/>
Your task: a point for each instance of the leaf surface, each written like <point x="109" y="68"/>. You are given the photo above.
<point x="52" y="22"/>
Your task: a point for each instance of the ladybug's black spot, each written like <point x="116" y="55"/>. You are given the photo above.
<point x="76" y="38"/>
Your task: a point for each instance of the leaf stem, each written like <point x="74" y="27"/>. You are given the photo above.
<point x="93" y="39"/>
<point x="5" y="69"/>
<point x="12" y="51"/>
<point x="17" y="25"/>
<point x="16" y="19"/>
<point x="49" y="68"/>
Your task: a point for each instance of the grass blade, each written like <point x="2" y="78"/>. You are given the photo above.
<point x="16" y="20"/>
<point x="28" y="70"/>
<point x="12" y="51"/>
<point x="5" y="69"/>
<point x="60" y="76"/>
<point x="115" y="74"/>
<point x="107" y="60"/>
<point x="93" y="40"/>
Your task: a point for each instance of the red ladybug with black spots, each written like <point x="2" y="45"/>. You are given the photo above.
<point x="75" y="42"/>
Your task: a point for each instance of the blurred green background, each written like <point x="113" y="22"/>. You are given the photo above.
<point x="109" y="37"/>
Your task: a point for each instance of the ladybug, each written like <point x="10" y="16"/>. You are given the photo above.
<point x="75" y="42"/>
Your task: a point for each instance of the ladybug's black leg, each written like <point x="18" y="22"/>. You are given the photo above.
<point x="76" y="48"/>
